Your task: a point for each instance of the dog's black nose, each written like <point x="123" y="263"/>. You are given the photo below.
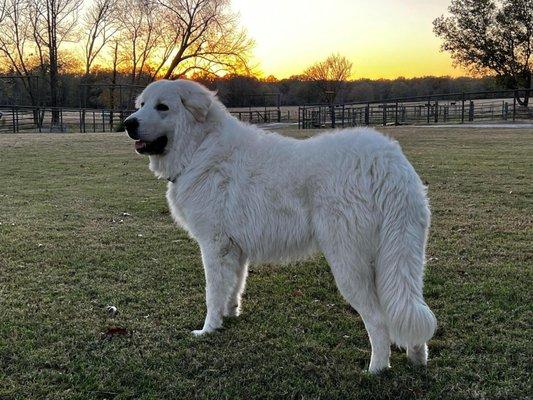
<point x="132" y="125"/>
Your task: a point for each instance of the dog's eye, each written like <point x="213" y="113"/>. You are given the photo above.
<point x="161" y="107"/>
<point x="142" y="105"/>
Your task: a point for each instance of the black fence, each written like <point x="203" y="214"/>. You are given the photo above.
<point x="435" y="109"/>
<point x="258" y="116"/>
<point x="47" y="119"/>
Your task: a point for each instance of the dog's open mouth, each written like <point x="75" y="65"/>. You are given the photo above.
<point x="155" y="147"/>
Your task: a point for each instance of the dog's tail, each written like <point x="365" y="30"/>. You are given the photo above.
<point x="400" y="266"/>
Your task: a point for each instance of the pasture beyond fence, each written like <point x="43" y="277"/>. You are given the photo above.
<point x="434" y="109"/>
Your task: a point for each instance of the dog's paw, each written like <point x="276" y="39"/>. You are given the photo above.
<point x="418" y="354"/>
<point x="373" y="371"/>
<point x="203" y="332"/>
<point x="234" y="311"/>
<point x="378" y="368"/>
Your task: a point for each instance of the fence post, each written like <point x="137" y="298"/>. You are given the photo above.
<point x="471" y="111"/>
<point x="332" y="111"/>
<point x="462" y="108"/>
<point x="13" y="120"/>
<point x="514" y="105"/>
<point x="39" y="120"/>
<point x="396" y="114"/>
<point x="436" y="111"/>
<point x="367" y="114"/>
<point x="428" y="109"/>
<point x="343" y="115"/>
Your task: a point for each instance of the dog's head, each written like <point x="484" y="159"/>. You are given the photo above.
<point x="162" y="109"/>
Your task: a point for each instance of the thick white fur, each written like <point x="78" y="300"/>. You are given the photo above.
<point x="251" y="196"/>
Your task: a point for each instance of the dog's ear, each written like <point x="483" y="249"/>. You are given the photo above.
<point x="197" y="103"/>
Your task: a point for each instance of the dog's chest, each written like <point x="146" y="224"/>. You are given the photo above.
<point x="176" y="210"/>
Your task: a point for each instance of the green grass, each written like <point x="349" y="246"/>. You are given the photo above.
<point x="67" y="251"/>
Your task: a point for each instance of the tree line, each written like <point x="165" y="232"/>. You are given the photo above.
<point x="244" y="91"/>
<point x="75" y="53"/>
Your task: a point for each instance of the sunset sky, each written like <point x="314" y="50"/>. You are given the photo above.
<point x="383" y="38"/>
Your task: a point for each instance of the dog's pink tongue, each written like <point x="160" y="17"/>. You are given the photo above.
<point x="139" y="144"/>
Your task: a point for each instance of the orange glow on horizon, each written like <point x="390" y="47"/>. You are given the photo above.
<point x="383" y="39"/>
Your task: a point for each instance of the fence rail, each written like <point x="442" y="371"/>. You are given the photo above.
<point x="258" y="116"/>
<point x="448" y="108"/>
<point x="46" y="119"/>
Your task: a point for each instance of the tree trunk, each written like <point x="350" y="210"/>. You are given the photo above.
<point x="112" y="90"/>
<point x="525" y="101"/>
<point x="54" y="90"/>
<point x="54" y="76"/>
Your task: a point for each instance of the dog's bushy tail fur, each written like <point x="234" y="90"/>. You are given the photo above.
<point x="400" y="265"/>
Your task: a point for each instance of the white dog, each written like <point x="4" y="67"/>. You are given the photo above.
<point x="251" y="196"/>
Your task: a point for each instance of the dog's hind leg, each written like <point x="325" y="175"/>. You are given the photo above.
<point x="418" y="354"/>
<point x="350" y="255"/>
<point x="233" y="306"/>
<point x="223" y="272"/>
<point x="355" y="281"/>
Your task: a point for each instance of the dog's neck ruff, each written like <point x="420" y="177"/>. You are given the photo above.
<point x="176" y="159"/>
<point x="181" y="149"/>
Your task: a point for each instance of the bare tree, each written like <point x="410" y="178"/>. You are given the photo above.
<point x="330" y="74"/>
<point x="115" y="63"/>
<point x="207" y="39"/>
<point x="491" y="37"/>
<point x="55" y="23"/>
<point x="3" y="10"/>
<point x="141" y="34"/>
<point x="98" y="29"/>
<point x="16" y="47"/>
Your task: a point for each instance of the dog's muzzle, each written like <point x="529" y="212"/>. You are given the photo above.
<point x="132" y="127"/>
<point x="154" y="147"/>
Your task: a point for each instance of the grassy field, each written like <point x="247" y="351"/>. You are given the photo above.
<point x="85" y="225"/>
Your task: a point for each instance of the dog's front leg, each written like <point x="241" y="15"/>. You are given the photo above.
<point x="221" y="265"/>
